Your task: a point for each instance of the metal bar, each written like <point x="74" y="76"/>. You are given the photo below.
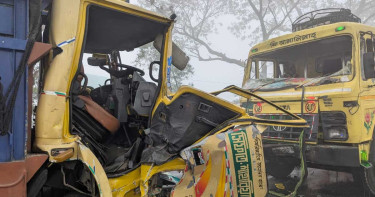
<point x="12" y="43"/>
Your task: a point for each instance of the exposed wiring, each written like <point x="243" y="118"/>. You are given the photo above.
<point x="351" y="108"/>
<point x="358" y="105"/>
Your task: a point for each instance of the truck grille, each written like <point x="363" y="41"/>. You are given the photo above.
<point x="291" y="133"/>
<point x="333" y="119"/>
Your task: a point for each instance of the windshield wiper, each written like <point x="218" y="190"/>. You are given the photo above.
<point x="256" y="89"/>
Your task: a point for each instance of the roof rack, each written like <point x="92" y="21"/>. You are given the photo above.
<point x="324" y="17"/>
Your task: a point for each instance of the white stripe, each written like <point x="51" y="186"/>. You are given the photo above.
<point x="49" y="92"/>
<point x="53" y="93"/>
<point x="338" y="90"/>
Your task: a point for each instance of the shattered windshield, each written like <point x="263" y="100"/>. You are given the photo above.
<point x="316" y="63"/>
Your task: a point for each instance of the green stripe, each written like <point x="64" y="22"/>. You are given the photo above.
<point x="60" y="93"/>
<point x="100" y="189"/>
<point x="93" y="172"/>
<point x="238" y="165"/>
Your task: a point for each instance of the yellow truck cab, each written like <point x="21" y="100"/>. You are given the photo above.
<point x="323" y="72"/>
<point x="129" y="136"/>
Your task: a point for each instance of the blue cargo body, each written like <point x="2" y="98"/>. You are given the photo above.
<point x="13" y="34"/>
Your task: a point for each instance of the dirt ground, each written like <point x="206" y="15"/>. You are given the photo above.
<point x="320" y="183"/>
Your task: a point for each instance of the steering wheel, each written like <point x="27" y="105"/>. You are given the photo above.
<point x="122" y="73"/>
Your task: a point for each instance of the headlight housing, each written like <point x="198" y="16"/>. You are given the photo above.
<point x="336" y="133"/>
<point x="334" y="126"/>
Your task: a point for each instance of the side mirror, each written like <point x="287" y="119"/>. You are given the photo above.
<point x="151" y="70"/>
<point x="98" y="60"/>
<point x="179" y="58"/>
<point x="369" y="65"/>
<point x="94" y="61"/>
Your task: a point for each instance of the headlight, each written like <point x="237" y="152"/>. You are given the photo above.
<point x="336" y="133"/>
<point x="334" y="126"/>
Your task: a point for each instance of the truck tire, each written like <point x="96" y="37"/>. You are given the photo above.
<point x="281" y="167"/>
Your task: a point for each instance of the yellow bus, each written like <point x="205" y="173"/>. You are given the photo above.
<point x="323" y="72"/>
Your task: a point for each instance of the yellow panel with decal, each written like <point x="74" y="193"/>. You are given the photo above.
<point x="225" y="164"/>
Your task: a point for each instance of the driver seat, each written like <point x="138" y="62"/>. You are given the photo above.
<point x="107" y="120"/>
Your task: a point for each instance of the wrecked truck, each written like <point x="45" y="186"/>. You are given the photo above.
<point x="127" y="135"/>
<point x="323" y="72"/>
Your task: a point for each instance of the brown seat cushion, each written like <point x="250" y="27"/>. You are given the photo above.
<point x="101" y="115"/>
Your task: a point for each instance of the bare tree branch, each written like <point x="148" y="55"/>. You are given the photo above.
<point x="369" y="17"/>
<point x="198" y="18"/>
<point x="282" y="21"/>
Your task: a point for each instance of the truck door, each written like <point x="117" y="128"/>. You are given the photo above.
<point x="367" y="83"/>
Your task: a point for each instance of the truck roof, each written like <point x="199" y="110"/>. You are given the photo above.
<point x="122" y="3"/>
<point x="308" y="35"/>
